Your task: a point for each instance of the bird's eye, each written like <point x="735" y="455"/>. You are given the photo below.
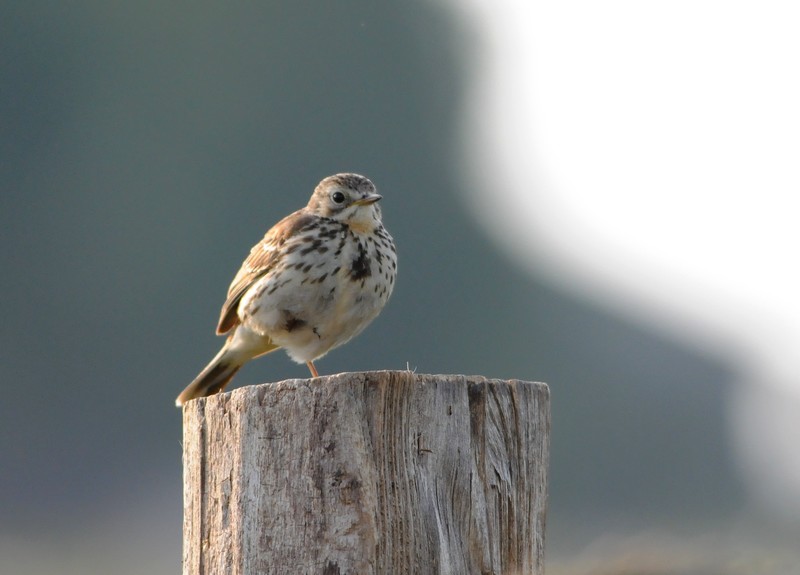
<point x="337" y="197"/>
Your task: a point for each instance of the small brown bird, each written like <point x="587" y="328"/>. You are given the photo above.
<point x="318" y="278"/>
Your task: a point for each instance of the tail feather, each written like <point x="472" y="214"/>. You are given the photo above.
<point x="240" y="347"/>
<point x="213" y="379"/>
<point x="215" y="376"/>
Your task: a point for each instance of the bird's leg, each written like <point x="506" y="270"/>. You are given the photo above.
<point x="313" y="369"/>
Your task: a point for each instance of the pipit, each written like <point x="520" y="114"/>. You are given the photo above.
<point x="318" y="278"/>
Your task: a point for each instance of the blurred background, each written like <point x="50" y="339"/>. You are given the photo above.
<point x="600" y="196"/>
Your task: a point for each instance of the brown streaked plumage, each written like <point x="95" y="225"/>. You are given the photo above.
<point x="261" y="260"/>
<point x="318" y="277"/>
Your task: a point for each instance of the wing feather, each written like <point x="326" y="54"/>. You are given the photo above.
<point x="262" y="259"/>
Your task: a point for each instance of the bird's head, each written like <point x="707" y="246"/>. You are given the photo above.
<point x="348" y="198"/>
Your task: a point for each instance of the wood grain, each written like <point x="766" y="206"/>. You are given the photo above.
<point x="378" y="472"/>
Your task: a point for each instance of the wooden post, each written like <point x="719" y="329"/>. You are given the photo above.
<point x="367" y="473"/>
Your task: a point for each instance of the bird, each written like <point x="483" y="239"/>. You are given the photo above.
<point x="316" y="280"/>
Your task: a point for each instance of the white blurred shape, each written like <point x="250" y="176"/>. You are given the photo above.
<point x="769" y="450"/>
<point x="648" y="154"/>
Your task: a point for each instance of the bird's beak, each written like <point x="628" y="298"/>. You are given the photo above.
<point x="370" y="199"/>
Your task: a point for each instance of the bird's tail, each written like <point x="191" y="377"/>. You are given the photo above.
<point x="240" y="347"/>
<point x="213" y="378"/>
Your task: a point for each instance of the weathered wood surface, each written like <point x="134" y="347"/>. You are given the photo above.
<point x="373" y="473"/>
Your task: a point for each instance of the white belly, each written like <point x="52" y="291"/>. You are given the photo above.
<point x="311" y="312"/>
